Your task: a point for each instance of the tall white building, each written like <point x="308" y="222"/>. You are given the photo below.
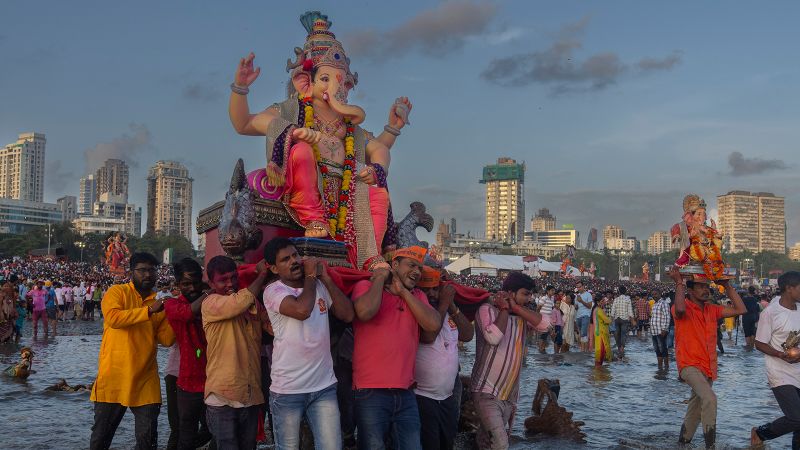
<point x="112" y="178"/>
<point x="87" y="194"/>
<point x="659" y="242"/>
<point x="612" y="231"/>
<point x="505" y="200"/>
<point x="68" y="205"/>
<point x="794" y="252"/>
<point x="22" y="168"/>
<point x="752" y="221"/>
<point x="169" y="199"/>
<point x="115" y="207"/>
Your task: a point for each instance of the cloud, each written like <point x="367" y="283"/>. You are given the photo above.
<point x="201" y="92"/>
<point x="433" y="32"/>
<point x="741" y="166"/>
<point x="559" y="67"/>
<point x="665" y="63"/>
<point x="127" y="147"/>
<point x="57" y="178"/>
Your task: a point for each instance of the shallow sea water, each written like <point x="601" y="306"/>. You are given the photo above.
<point x="625" y="406"/>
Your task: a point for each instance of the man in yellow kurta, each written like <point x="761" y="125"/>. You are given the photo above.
<point x="127" y="372"/>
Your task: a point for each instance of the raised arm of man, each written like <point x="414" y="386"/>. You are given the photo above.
<point x="739" y="307"/>
<point x="427" y="317"/>
<point x="368" y="304"/>
<point x="341" y="305"/>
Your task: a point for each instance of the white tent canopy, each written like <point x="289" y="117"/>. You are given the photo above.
<point x="491" y="264"/>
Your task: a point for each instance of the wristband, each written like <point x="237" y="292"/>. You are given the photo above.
<point x="241" y="90"/>
<point x="391" y="130"/>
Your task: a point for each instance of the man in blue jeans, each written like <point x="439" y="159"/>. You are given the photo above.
<point x="303" y="383"/>
<point x="583" y="308"/>
<point x="390" y="311"/>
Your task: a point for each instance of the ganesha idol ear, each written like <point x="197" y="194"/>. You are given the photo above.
<point x="302" y="83"/>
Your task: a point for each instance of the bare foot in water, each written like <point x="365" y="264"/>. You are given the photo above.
<point x="755" y="440"/>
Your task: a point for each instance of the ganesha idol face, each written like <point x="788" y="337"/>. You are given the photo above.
<point x="332" y="86"/>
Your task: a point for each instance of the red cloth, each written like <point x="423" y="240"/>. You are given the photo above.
<point x="190" y="337"/>
<point x="468" y="299"/>
<point x="247" y="273"/>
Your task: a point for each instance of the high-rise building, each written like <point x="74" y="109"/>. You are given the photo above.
<point x="612" y="231"/>
<point x="169" y="199"/>
<point x="553" y="238"/>
<point x="659" y="242"/>
<point x="621" y="243"/>
<point x="22" y="168"/>
<point x="591" y="239"/>
<point x="752" y="221"/>
<point x="87" y="194"/>
<point x="505" y="200"/>
<point x="112" y="178"/>
<point x="794" y="252"/>
<point x="68" y="205"/>
<point x="442" y="234"/>
<point x="114" y="207"/>
<point x="543" y="221"/>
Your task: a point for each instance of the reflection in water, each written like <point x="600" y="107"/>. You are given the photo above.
<point x="601" y="374"/>
<point x="625" y="405"/>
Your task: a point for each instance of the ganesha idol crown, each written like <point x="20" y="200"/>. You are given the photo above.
<point x="321" y="47"/>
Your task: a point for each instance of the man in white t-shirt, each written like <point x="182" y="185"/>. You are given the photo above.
<point x="544" y="305"/>
<point x="775" y="324"/>
<point x="68" y="299"/>
<point x="60" y="304"/>
<point x="438" y="388"/>
<point x="303" y="383"/>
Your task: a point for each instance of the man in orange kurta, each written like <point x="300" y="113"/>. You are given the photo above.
<point x="127" y="372"/>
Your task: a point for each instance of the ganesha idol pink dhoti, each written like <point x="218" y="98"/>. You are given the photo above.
<point x="328" y="171"/>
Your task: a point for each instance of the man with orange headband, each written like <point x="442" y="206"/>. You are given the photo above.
<point x="436" y="372"/>
<point x="390" y="312"/>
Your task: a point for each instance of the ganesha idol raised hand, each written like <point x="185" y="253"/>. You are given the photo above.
<point x="328" y="171"/>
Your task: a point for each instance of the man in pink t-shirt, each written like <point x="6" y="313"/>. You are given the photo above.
<point x="390" y="311"/>
<point x="39" y="296"/>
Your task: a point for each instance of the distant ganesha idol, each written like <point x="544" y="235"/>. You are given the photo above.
<point x="328" y="171"/>
<point x="700" y="244"/>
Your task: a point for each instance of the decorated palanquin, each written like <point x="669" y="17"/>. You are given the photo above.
<point x="325" y="176"/>
<point x="700" y="244"/>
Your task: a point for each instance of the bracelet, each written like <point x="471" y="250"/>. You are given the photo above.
<point x="241" y="90"/>
<point x="312" y="276"/>
<point x="391" y="130"/>
<point x="458" y="311"/>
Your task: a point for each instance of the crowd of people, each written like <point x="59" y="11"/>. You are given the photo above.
<point x="48" y="292"/>
<point x="370" y="360"/>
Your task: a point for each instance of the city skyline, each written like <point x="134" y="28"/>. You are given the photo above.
<point x="619" y="110"/>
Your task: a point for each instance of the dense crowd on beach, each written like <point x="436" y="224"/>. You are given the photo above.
<point x="373" y="359"/>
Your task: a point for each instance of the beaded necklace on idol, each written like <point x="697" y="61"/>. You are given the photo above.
<point x="337" y="216"/>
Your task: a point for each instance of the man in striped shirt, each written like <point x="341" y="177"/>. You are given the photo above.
<point x="501" y="330"/>
<point x="659" y="329"/>
<point x="621" y="316"/>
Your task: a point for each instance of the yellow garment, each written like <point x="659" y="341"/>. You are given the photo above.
<point x="602" y="339"/>
<point x="233" y="331"/>
<point x="729" y="323"/>
<point x="127" y="370"/>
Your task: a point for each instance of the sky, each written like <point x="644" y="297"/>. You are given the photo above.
<point x="618" y="109"/>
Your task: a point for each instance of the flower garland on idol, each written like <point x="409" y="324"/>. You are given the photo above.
<point x="337" y="216"/>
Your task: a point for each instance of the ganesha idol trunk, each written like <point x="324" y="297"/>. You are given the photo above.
<point x="242" y="224"/>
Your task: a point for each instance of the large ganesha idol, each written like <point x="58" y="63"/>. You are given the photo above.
<point x="328" y="171"/>
<point x="700" y="244"/>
